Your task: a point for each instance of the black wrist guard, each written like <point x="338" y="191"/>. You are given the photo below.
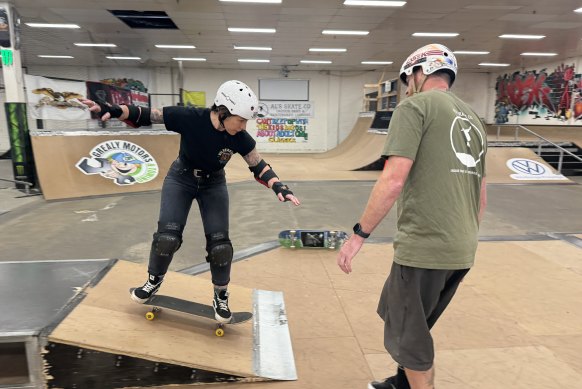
<point x="266" y="176"/>
<point x="113" y="110"/>
<point x="138" y="116"/>
<point x="279" y="187"/>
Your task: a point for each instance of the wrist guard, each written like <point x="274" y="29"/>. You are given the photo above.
<point x="138" y="116"/>
<point x="113" y="110"/>
<point x="266" y="176"/>
<point x="279" y="187"/>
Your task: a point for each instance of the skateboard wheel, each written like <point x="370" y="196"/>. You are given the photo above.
<point x="219" y="332"/>
<point x="150" y="316"/>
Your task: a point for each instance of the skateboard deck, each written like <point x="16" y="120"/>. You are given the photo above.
<point x="159" y="302"/>
<point x="312" y="239"/>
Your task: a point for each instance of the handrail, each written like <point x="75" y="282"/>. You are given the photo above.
<point x="26" y="184"/>
<point x="519" y="126"/>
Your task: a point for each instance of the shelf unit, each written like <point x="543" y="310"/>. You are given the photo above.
<point x="388" y="94"/>
<point x="370" y="98"/>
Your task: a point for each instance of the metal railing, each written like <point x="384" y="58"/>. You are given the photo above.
<point x="560" y="149"/>
<point x="27" y="185"/>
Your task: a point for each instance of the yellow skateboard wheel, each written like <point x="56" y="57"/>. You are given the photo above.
<point x="150" y="316"/>
<point x="219" y="332"/>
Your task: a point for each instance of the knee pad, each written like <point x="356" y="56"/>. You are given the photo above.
<point x="219" y="249"/>
<point x="168" y="239"/>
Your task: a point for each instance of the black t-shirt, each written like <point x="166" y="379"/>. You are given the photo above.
<point x="201" y="145"/>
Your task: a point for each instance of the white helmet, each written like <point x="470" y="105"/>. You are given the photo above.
<point x="238" y="98"/>
<point x="431" y="58"/>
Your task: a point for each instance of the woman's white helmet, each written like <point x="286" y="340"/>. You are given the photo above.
<point x="238" y="98"/>
<point x="430" y="58"/>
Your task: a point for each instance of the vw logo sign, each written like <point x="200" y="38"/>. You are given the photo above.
<point x="526" y="166"/>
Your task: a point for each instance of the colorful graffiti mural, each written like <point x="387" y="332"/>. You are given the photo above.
<point x="539" y="97"/>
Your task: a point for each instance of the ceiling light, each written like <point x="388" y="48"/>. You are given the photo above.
<point x="253" y="48"/>
<point x="189" y="59"/>
<point x="579" y="10"/>
<point x="377" y="62"/>
<point x="96" y="44"/>
<point x="261" y="30"/>
<point x="175" y="46"/>
<point x="134" y="58"/>
<point x="521" y="36"/>
<point x="52" y="25"/>
<point x="540" y="54"/>
<point x="55" y="56"/>
<point x="493" y="64"/>
<point x="328" y="50"/>
<point x="309" y="61"/>
<point x="465" y="52"/>
<point x="375" y="3"/>
<point x="253" y="1"/>
<point x="437" y="34"/>
<point x="254" y="60"/>
<point x="345" y="32"/>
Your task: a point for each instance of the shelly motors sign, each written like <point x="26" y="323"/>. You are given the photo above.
<point x="123" y="162"/>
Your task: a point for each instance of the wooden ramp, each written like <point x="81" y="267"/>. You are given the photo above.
<point x="109" y="330"/>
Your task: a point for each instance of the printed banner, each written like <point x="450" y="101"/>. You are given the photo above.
<point x="285" y="109"/>
<point x="55" y="99"/>
<point x="4" y="28"/>
<point x="277" y="130"/>
<point x="539" y="97"/>
<point x="123" y="162"/>
<point x="20" y="145"/>
<point x="193" y="98"/>
<point x="140" y="99"/>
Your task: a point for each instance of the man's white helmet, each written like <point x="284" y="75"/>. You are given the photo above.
<point x="431" y="58"/>
<point x="238" y="98"/>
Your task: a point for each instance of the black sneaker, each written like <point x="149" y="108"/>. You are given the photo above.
<point x="220" y="304"/>
<point x="142" y="294"/>
<point x="388" y="383"/>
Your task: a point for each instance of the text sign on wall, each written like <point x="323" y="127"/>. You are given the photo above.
<point x="287" y="109"/>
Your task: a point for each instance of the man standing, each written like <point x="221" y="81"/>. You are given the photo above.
<point x="435" y="167"/>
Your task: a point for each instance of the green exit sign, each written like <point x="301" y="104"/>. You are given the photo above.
<point x="7" y="57"/>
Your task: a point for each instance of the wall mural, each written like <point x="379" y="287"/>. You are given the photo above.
<point x="539" y="97"/>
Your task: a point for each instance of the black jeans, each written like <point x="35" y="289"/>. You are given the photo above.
<point x="180" y="188"/>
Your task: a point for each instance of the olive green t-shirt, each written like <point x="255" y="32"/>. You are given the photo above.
<point x="439" y="204"/>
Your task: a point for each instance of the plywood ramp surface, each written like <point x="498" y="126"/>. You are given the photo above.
<point x="107" y="320"/>
<point x="518" y="307"/>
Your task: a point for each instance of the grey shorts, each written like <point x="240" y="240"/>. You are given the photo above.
<point x="411" y="302"/>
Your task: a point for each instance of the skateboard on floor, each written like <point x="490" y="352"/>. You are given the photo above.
<point x="312" y="239"/>
<point x="159" y="302"/>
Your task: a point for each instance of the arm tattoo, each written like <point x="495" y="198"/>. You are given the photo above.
<point x="156" y="116"/>
<point x="253" y="158"/>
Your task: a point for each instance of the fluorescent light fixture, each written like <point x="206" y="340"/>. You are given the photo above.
<point x="260" y="30"/>
<point x="466" y="52"/>
<point x="253" y="1"/>
<point x="133" y="58"/>
<point x="493" y="64"/>
<point x="375" y="3"/>
<point x="175" y="46"/>
<point x="52" y="25"/>
<point x="55" y="56"/>
<point x="96" y="44"/>
<point x="328" y="50"/>
<point x="437" y="34"/>
<point x="521" y="36"/>
<point x="253" y="60"/>
<point x="345" y="32"/>
<point x="310" y="61"/>
<point x="377" y="62"/>
<point x="540" y="54"/>
<point x="259" y="48"/>
<point x="579" y="10"/>
<point x="189" y="59"/>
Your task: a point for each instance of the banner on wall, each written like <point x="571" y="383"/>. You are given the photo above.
<point x="282" y="130"/>
<point x="193" y="98"/>
<point x="539" y="97"/>
<point x="55" y="99"/>
<point x="288" y="109"/>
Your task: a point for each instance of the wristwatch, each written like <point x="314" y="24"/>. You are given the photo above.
<point x="358" y="231"/>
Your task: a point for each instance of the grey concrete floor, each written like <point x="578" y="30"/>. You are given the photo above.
<point x="122" y="226"/>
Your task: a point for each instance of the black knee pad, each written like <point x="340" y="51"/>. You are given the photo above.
<point x="168" y="239"/>
<point x="219" y="249"/>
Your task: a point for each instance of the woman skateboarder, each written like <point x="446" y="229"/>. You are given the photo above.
<point x="209" y="138"/>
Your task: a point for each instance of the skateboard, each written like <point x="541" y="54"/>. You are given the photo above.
<point x="159" y="302"/>
<point x="312" y="239"/>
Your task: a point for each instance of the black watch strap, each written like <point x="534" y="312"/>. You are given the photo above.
<point x="358" y="231"/>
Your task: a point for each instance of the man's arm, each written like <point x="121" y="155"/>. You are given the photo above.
<point x="483" y="202"/>
<point x="385" y="193"/>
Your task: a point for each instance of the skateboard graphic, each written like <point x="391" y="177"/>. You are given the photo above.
<point x="160" y="302"/>
<point x="312" y="239"/>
